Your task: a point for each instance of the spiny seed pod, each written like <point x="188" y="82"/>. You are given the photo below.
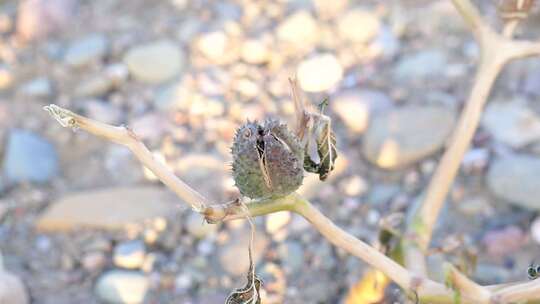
<point x="514" y="9"/>
<point x="267" y="160"/>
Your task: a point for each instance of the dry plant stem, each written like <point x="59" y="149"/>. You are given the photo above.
<point x="496" y="51"/>
<point x="126" y="137"/>
<point x="464" y="285"/>
<point x="427" y="290"/>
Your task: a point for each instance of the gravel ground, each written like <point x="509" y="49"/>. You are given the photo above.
<point x="82" y="222"/>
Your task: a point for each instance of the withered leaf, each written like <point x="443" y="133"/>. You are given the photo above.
<point x="321" y="139"/>
<point x="249" y="294"/>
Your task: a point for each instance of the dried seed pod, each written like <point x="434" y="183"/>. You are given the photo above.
<point x="514" y="9"/>
<point x="267" y="160"/>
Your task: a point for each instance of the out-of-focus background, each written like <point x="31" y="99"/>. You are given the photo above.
<point x="82" y="222"/>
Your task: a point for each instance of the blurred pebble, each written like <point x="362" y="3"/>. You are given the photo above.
<point x="29" y="158"/>
<point x="504" y="241"/>
<point x="512" y="123"/>
<point x="516" y="179"/>
<point x="12" y="289"/>
<point x="129" y="255"/>
<point x="358" y="26"/>
<point x="149" y="126"/>
<point x="386" y="44"/>
<point x="299" y="24"/>
<point x="233" y="257"/>
<point x="6" y="77"/>
<point x="421" y="65"/>
<point x="87" y="50"/>
<point x="117" y="74"/>
<point x="327" y="9"/>
<point x="93" y="261"/>
<point x="292" y="257"/>
<point x="95" y="86"/>
<point x="407" y="135"/>
<point x="39" y="18"/>
<point x="197" y="226"/>
<point x="37" y="88"/>
<point x="103" y="111"/>
<point x="320" y="72"/>
<point x="354" y="186"/>
<point x="475" y="160"/>
<point x="122" y="287"/>
<point x="277" y="221"/>
<point x="535" y="230"/>
<point x="155" y="62"/>
<point x="357" y="107"/>
<point x="255" y="51"/>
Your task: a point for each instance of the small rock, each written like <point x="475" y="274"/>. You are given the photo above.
<point x="299" y="30"/>
<point x="94" y="87"/>
<point x="292" y="257"/>
<point x="29" y="158"/>
<point x="516" y="178"/>
<point x="213" y="45"/>
<point x="386" y="44"/>
<point x="6" y="77"/>
<point x="87" y="50"/>
<point x="512" y="123"/>
<point x="110" y="208"/>
<point x="150" y="126"/>
<point x="382" y="193"/>
<point x="122" y="287"/>
<point x="319" y="73"/>
<point x="475" y="160"/>
<point x="103" y="111"/>
<point x="505" y="241"/>
<point x="276" y="221"/>
<point x="255" y="52"/>
<point x="358" y="26"/>
<point x="357" y="107"/>
<point x="172" y="97"/>
<point x="407" y="135"/>
<point x="12" y="289"/>
<point x="421" y="65"/>
<point x="354" y="186"/>
<point x="130" y="254"/>
<point x="39" y="18"/>
<point x="330" y="8"/>
<point x="155" y="62"/>
<point x="489" y="274"/>
<point x="234" y="256"/>
<point x="535" y="230"/>
<point x="117" y="74"/>
<point x="37" y="88"/>
<point x="197" y="227"/>
<point x="93" y="261"/>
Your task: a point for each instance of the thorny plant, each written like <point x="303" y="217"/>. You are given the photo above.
<point x="496" y="49"/>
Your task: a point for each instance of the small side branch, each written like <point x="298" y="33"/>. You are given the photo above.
<point x="125" y="136"/>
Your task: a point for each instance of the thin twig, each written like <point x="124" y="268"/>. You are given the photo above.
<point x="496" y="52"/>
<point x="126" y="137"/>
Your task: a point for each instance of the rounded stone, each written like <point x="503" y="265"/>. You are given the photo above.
<point x="406" y="135"/>
<point x="516" y="179"/>
<point x="319" y="73"/>
<point x="155" y="62"/>
<point x="359" y="26"/>
<point x="122" y="287"/>
<point x="12" y="289"/>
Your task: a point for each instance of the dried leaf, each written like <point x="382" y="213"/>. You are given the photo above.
<point x="321" y="136"/>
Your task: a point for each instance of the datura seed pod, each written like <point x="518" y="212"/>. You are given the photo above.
<point x="267" y="160"/>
